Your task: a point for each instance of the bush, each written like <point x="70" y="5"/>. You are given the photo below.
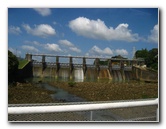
<point x="12" y="66"/>
<point x="72" y="84"/>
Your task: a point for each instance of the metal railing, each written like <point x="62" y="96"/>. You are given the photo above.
<point x="33" y="109"/>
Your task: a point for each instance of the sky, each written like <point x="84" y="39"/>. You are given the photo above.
<point x="97" y="32"/>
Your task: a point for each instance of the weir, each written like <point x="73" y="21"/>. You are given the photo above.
<point x="116" y="69"/>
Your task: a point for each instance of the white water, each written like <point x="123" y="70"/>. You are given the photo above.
<point x="78" y="74"/>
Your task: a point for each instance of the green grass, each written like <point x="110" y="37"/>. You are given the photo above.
<point x="22" y="64"/>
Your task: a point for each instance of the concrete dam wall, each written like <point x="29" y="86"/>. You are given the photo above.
<point x="114" y="69"/>
<point x="78" y="73"/>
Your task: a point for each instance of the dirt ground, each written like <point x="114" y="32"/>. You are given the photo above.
<point x="104" y="91"/>
<point x="90" y="91"/>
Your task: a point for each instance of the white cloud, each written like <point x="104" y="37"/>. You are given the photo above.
<point x="29" y="48"/>
<point x="69" y="45"/>
<point x="15" y="51"/>
<point x="66" y="43"/>
<point x="98" y="30"/>
<point x="53" y="47"/>
<point x="33" y="43"/>
<point x="15" y="30"/>
<point x="107" y="52"/>
<point x="153" y="37"/>
<point x="75" y="49"/>
<point x="43" y="11"/>
<point x="121" y="52"/>
<point x="96" y="51"/>
<point x="42" y="30"/>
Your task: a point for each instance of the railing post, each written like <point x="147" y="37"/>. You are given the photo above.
<point x="91" y="115"/>
<point x="157" y="114"/>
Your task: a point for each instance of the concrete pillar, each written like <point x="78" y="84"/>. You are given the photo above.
<point x="28" y="57"/>
<point x="44" y="64"/>
<point x="122" y="69"/>
<point x="109" y="64"/>
<point x="71" y="66"/>
<point x="84" y="66"/>
<point x="110" y="68"/>
<point x="43" y="58"/>
<point x="57" y="67"/>
<point x="97" y="66"/>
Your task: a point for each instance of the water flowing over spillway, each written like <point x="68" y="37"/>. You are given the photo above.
<point x="78" y="74"/>
<point x="64" y="73"/>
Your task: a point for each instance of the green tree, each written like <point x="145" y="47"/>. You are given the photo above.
<point x="12" y="66"/>
<point x="142" y="53"/>
<point x="151" y="57"/>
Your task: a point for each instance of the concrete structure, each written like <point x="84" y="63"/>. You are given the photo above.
<point x="116" y="68"/>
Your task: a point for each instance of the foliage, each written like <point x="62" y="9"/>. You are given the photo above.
<point x="12" y="66"/>
<point x="142" y="53"/>
<point x="151" y="57"/>
<point x="119" y="57"/>
<point x="114" y="57"/>
<point x="71" y="83"/>
<point x="22" y="63"/>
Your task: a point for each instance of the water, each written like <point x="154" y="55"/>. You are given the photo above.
<point x="78" y="75"/>
<point x="61" y="94"/>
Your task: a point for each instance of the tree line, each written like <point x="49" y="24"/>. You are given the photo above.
<point x="150" y="57"/>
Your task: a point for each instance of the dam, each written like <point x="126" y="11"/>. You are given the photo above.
<point x="115" y="69"/>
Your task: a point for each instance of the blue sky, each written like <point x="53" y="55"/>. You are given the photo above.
<point x="103" y="32"/>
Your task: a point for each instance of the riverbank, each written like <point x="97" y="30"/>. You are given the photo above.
<point x="23" y="93"/>
<point x="104" y="91"/>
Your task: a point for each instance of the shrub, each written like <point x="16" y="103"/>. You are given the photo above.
<point x="71" y="84"/>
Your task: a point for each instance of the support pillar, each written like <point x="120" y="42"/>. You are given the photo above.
<point x="57" y="67"/>
<point x="43" y="64"/>
<point x="97" y="66"/>
<point x="110" y="68"/>
<point x="122" y="69"/>
<point x="84" y="66"/>
<point x="71" y="67"/>
<point x="28" y="57"/>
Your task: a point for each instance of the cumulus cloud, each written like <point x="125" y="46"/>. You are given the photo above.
<point x="98" y="30"/>
<point x="153" y="37"/>
<point x="69" y="45"/>
<point x="42" y="30"/>
<point x="75" y="49"/>
<point x="29" y="48"/>
<point x="122" y="52"/>
<point x="53" y="47"/>
<point x="15" y="30"/>
<point x="96" y="51"/>
<point x="66" y="43"/>
<point x="43" y="11"/>
<point x="33" y="43"/>
<point x="15" y="51"/>
<point x="107" y="52"/>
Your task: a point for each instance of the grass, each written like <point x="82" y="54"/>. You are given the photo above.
<point x="22" y="64"/>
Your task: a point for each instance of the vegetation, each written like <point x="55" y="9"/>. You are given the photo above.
<point x="114" y="57"/>
<point x="71" y="83"/>
<point x="12" y="66"/>
<point x="22" y="63"/>
<point x="151" y="57"/>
